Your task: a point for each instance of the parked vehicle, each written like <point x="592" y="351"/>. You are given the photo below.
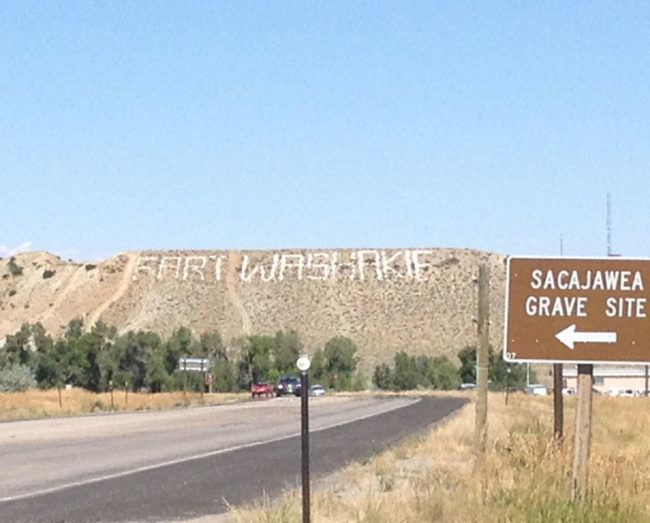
<point x="260" y="389"/>
<point x="288" y="384"/>
<point x="316" y="390"/>
<point x="537" y="390"/>
<point x="627" y="393"/>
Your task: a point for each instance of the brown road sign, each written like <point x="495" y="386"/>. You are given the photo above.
<point x="577" y="310"/>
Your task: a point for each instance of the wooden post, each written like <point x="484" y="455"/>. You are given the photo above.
<point x="202" y="381"/>
<point x="582" y="432"/>
<point x="558" y="405"/>
<point x="110" y="386"/>
<point x="185" y="381"/>
<point x="482" y="357"/>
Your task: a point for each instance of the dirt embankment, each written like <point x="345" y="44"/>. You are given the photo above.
<point x="419" y="300"/>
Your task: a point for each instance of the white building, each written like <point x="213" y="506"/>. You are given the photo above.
<point x="621" y="380"/>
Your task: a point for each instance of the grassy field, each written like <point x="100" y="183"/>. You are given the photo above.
<point x="45" y="403"/>
<point x="524" y="476"/>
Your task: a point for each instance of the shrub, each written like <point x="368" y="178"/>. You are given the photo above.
<point x="443" y="374"/>
<point x="16" y="378"/>
<point x="224" y="376"/>
<point x="14" y="268"/>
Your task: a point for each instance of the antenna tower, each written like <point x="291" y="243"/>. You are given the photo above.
<point x="609" y="224"/>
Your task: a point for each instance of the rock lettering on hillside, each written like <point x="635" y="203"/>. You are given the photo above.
<point x="358" y="265"/>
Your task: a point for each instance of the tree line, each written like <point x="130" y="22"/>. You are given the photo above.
<point x="99" y="359"/>
<point x="438" y="372"/>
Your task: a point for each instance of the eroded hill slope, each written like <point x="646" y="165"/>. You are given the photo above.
<point x="419" y="300"/>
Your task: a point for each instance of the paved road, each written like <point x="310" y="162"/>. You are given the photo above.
<point x="187" y="463"/>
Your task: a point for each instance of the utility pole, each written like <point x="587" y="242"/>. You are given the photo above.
<point x="483" y="356"/>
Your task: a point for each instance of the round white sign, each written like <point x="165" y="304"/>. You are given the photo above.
<point x="303" y="363"/>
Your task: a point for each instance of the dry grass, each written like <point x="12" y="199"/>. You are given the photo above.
<point x="524" y="475"/>
<point x="45" y="403"/>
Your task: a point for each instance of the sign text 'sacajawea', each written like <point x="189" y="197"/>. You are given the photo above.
<point x="590" y="280"/>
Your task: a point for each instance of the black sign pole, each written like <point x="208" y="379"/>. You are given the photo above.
<point x="558" y="403"/>
<point x="304" y="408"/>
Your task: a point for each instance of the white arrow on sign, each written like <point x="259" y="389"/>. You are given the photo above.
<point x="570" y="337"/>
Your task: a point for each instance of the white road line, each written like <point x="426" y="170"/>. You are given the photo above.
<point x="192" y="458"/>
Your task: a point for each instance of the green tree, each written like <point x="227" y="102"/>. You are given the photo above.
<point x="420" y="366"/>
<point x="405" y="375"/>
<point x="157" y="378"/>
<point x="43" y="344"/>
<point x="383" y="377"/>
<point x="260" y="352"/>
<point x="287" y="349"/>
<point x="74" y="329"/>
<point x="317" y="370"/>
<point x="131" y="354"/>
<point x="504" y="374"/>
<point x="224" y="376"/>
<point x="359" y="382"/>
<point x="180" y="344"/>
<point x="16" y="349"/>
<point x="64" y="363"/>
<point x="467" y="357"/>
<point x="96" y="344"/>
<point x="339" y="362"/>
<point x="442" y="374"/>
<point x="212" y="346"/>
<point x="498" y="374"/>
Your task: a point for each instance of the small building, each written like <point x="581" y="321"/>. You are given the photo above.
<point x="614" y="380"/>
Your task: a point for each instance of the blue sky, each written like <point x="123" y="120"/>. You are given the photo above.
<point x="264" y="125"/>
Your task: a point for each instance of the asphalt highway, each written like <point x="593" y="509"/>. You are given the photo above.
<point x="181" y="464"/>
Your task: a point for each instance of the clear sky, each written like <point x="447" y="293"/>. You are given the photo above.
<point x="263" y="125"/>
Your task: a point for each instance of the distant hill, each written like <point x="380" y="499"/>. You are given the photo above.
<point x="419" y="300"/>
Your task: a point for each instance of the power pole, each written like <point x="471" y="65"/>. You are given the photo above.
<point x="483" y="356"/>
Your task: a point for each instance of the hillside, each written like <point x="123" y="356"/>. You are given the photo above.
<point x="419" y="300"/>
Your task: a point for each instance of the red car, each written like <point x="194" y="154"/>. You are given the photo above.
<point x="261" y="388"/>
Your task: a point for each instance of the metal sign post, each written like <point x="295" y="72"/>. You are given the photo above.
<point x="197" y="364"/>
<point x="303" y="364"/>
<point x="558" y="405"/>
